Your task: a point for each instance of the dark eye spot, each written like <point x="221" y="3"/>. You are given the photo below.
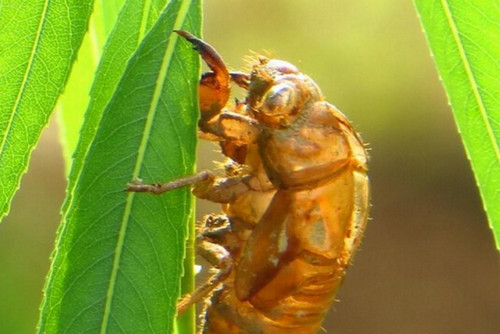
<point x="278" y="98"/>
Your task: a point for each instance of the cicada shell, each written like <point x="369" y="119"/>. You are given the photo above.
<point x="295" y="199"/>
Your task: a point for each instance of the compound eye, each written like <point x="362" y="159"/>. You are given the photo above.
<point x="279" y="100"/>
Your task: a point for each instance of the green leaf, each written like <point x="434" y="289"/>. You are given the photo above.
<point x="135" y="19"/>
<point x="38" y="40"/>
<point x="464" y="37"/>
<point x="109" y="10"/>
<point x="118" y="258"/>
<point x="74" y="101"/>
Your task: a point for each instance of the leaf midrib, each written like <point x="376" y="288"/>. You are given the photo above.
<point x="27" y="73"/>
<point x="142" y="149"/>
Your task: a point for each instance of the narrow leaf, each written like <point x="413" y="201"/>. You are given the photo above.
<point x="134" y="21"/>
<point x="75" y="98"/>
<point x="74" y="101"/>
<point x="110" y="8"/>
<point x="39" y="40"/>
<point x="464" y="38"/>
<point x="118" y="258"/>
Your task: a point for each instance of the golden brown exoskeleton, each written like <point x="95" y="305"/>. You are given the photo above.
<point x="295" y="199"/>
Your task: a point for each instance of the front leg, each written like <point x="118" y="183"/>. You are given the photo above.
<point x="214" y="88"/>
<point x="160" y="188"/>
<point x="205" y="185"/>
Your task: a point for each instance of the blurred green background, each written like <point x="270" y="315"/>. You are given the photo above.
<point x="428" y="262"/>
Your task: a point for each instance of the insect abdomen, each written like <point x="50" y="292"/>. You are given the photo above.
<point x="326" y="225"/>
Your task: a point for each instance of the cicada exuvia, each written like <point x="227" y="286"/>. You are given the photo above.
<point x="295" y="199"/>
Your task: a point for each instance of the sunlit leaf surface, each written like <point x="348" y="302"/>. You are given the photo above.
<point x="118" y="257"/>
<point x="464" y="38"/>
<point x="75" y="99"/>
<point x="134" y="21"/>
<point x="38" y="43"/>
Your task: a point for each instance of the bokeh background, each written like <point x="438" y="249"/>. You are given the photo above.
<point x="428" y="262"/>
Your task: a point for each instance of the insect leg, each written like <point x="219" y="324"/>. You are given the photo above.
<point x="214" y="87"/>
<point x="160" y="188"/>
<point x="216" y="255"/>
<point x="205" y="185"/>
<point x="209" y="55"/>
<point x="241" y="79"/>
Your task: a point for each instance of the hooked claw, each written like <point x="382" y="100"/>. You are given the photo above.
<point x="214" y="87"/>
